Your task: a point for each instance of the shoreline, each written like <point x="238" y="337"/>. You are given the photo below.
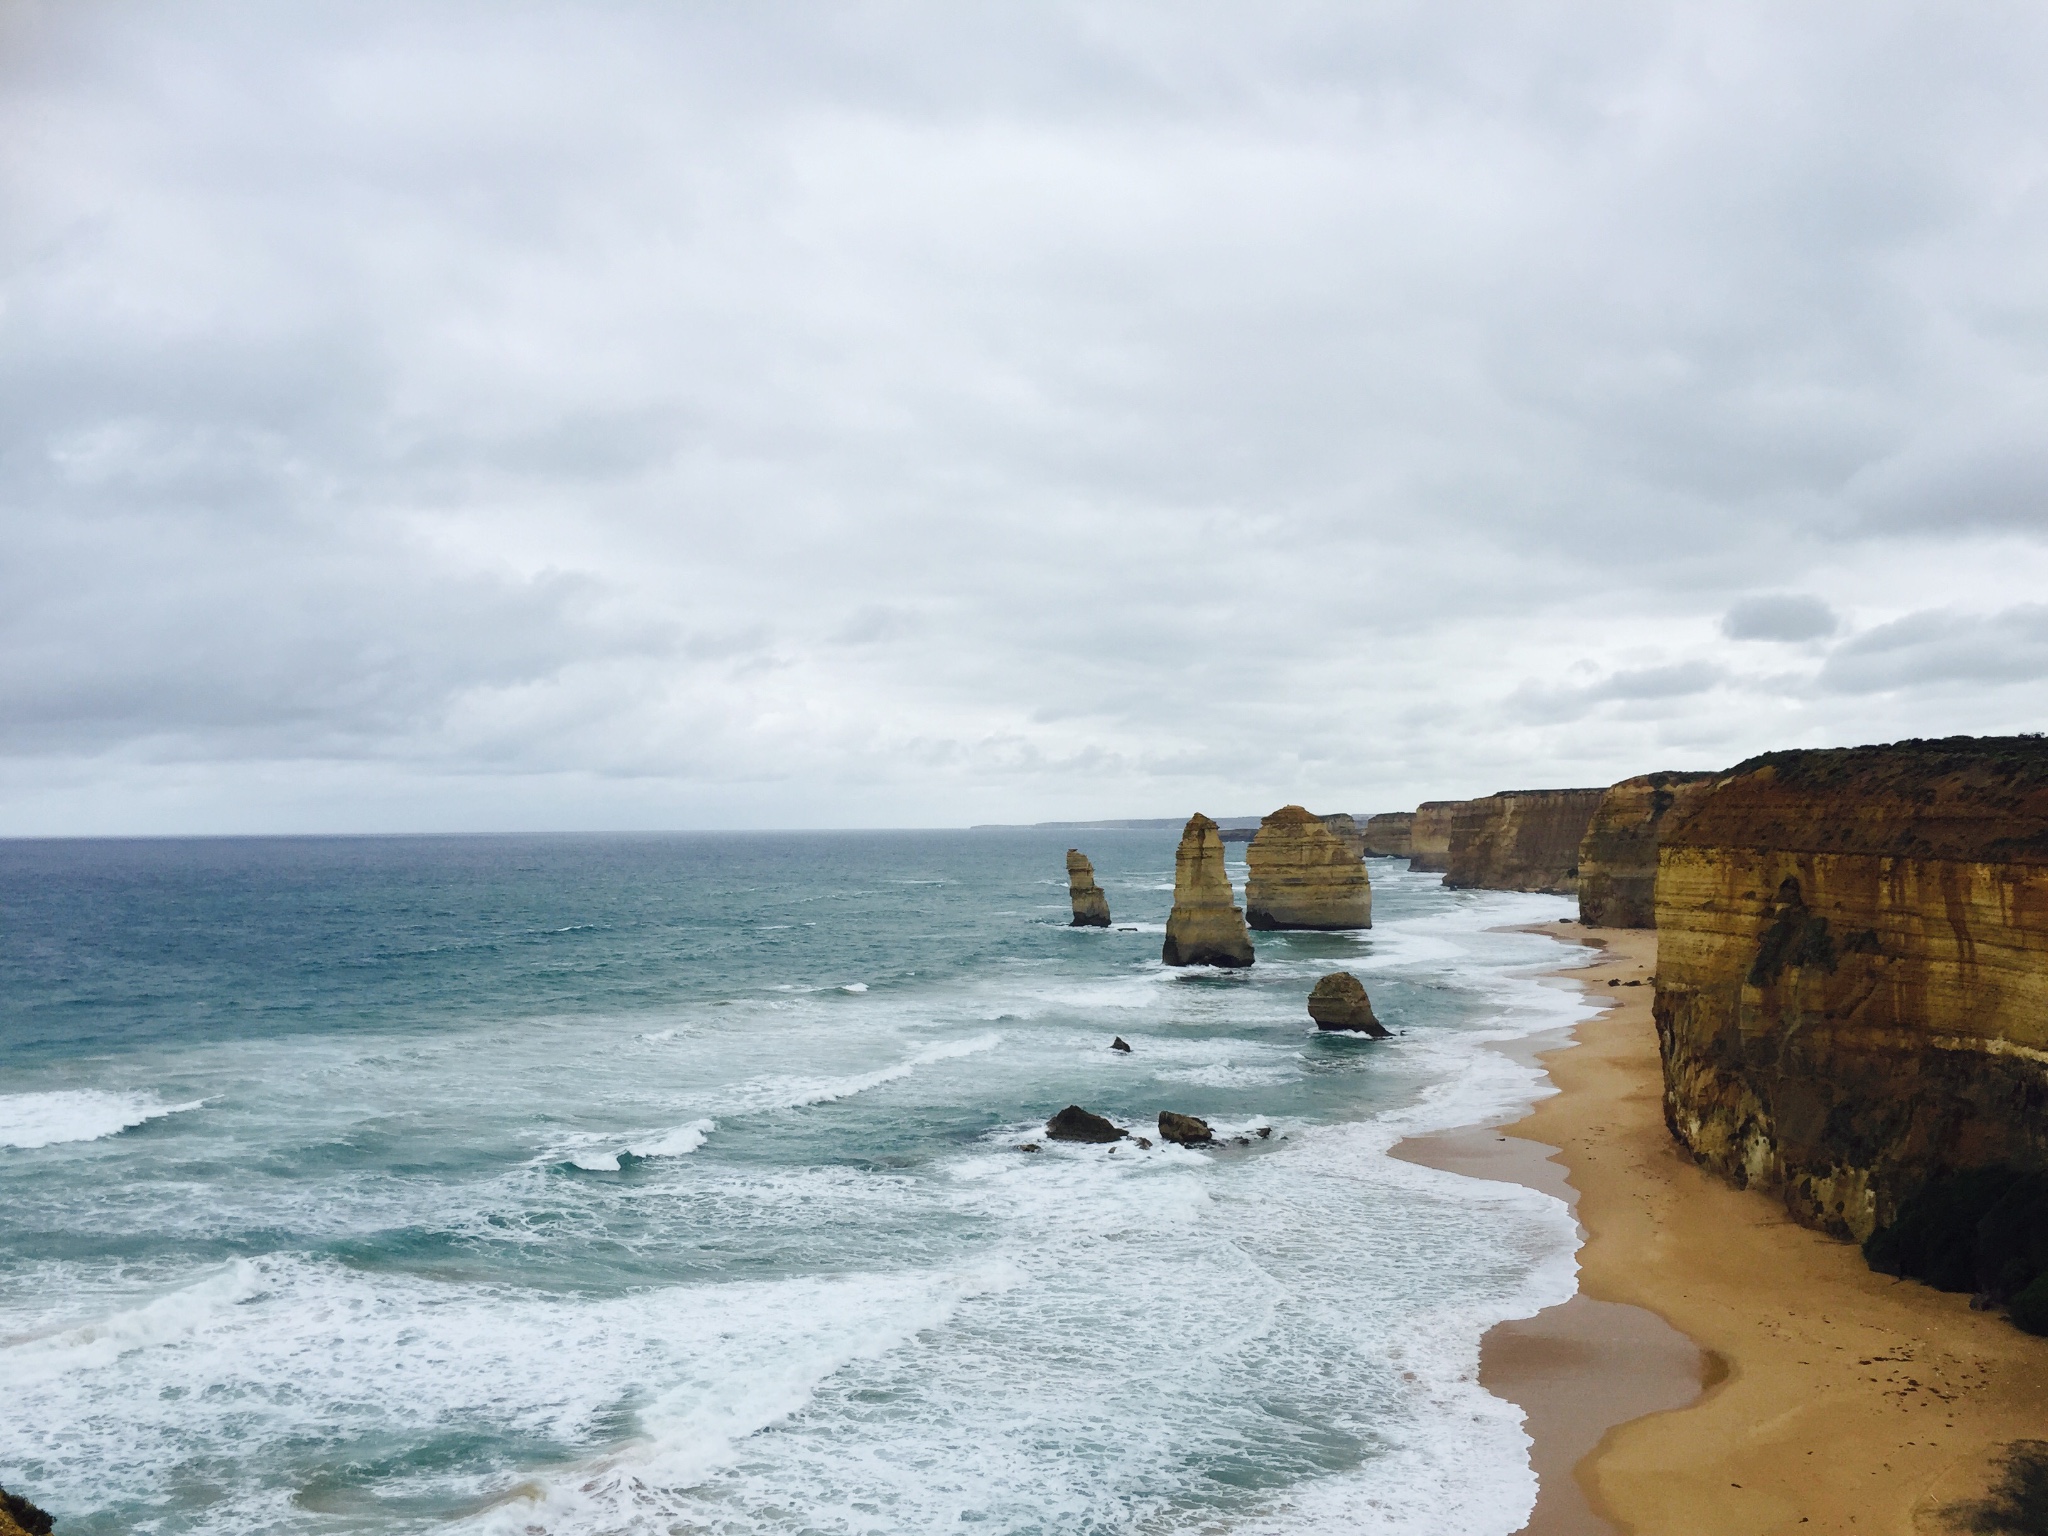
<point x="1820" y="1396"/>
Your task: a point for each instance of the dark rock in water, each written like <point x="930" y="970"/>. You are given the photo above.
<point x="17" y="1514"/>
<point x="1339" y="1002"/>
<point x="1265" y="1131"/>
<point x="1184" y="1130"/>
<point x="1119" y="1044"/>
<point x="1028" y="1146"/>
<point x="1144" y="1143"/>
<point x="1075" y="1124"/>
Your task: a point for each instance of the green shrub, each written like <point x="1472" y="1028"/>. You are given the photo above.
<point x="2030" y="1308"/>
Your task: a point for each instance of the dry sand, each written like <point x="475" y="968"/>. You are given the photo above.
<point x="1823" y="1397"/>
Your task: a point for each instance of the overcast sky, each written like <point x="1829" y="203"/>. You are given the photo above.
<point x="436" y="416"/>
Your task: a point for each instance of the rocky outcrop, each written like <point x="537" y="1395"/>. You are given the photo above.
<point x="1390" y="835"/>
<point x="1429" y="835"/>
<point x="1076" y="1124"/>
<point x="1206" y="926"/>
<point x="1298" y="875"/>
<point x="1184" y="1130"/>
<point x="1520" y="840"/>
<point x="1091" y="907"/>
<point x="1618" y="856"/>
<point x="1852" y="972"/>
<point x="1339" y="1002"/>
<point x="18" y="1517"/>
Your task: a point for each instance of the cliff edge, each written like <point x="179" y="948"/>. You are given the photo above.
<point x="1852" y="972"/>
<point x="1618" y="856"/>
<point x="1429" y="835"/>
<point x="1520" y="840"/>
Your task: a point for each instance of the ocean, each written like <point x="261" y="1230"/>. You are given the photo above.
<point x="672" y="1184"/>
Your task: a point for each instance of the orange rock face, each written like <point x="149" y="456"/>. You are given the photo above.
<point x="1618" y="857"/>
<point x="1299" y="875"/>
<point x="1429" y="835"/>
<point x="1852" y="971"/>
<point x="1390" y="835"/>
<point x="1520" y="840"/>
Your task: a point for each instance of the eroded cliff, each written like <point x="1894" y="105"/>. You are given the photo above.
<point x="1520" y="840"/>
<point x="1390" y="835"/>
<point x="1618" y="856"/>
<point x="1298" y="874"/>
<point x="1206" y="927"/>
<point x="1852" y="972"/>
<point x="1429" y="835"/>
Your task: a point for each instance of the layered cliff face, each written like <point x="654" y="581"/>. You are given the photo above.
<point x="1520" y="840"/>
<point x="1852" y="972"/>
<point x="1346" y="830"/>
<point x="1205" y="927"/>
<point x="1091" y="906"/>
<point x="1618" y="856"/>
<point x="1429" y="835"/>
<point x="1390" y="835"/>
<point x="1298" y="875"/>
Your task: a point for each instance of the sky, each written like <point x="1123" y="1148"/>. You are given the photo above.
<point x="512" y="416"/>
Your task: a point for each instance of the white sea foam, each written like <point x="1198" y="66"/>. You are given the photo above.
<point x="855" y="986"/>
<point x="787" y="1093"/>
<point x="77" y="1114"/>
<point x="680" y="1142"/>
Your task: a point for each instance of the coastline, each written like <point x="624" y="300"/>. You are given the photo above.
<point x="1819" y="1396"/>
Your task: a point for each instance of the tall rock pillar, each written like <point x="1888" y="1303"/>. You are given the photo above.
<point x="1091" y="907"/>
<point x="1206" y="926"/>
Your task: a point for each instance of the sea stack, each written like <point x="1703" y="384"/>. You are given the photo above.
<point x="1520" y="840"/>
<point x="1390" y="835"/>
<point x="1339" y="1002"/>
<point x="1091" y="907"/>
<point x="1429" y="835"/>
<point x="1298" y="875"/>
<point x="1347" y="830"/>
<point x="1618" y="856"/>
<point x="1852" y="972"/>
<point x="1205" y="927"/>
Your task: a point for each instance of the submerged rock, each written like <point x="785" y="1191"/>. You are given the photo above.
<point x="1299" y="875"/>
<point x="1075" y="1124"/>
<point x="1339" y="1002"/>
<point x="1091" y="906"/>
<point x="1206" y="926"/>
<point x="1184" y="1130"/>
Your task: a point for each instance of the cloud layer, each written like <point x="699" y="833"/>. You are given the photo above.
<point x="448" y="415"/>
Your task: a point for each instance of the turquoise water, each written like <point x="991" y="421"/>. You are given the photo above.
<point x="672" y="1184"/>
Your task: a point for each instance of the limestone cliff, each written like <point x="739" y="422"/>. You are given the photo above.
<point x="1298" y="875"/>
<point x="1520" y="840"/>
<point x="1852" y="972"/>
<point x="1206" y="926"/>
<point x="1346" y="830"/>
<point x="1429" y="835"/>
<point x="1091" y="907"/>
<point x="1618" y="856"/>
<point x="1390" y="835"/>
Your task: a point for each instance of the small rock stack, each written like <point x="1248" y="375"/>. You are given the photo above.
<point x="1339" y="1002"/>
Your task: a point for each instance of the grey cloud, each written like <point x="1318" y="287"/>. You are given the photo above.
<point x="1946" y="647"/>
<point x="1780" y="616"/>
<point x="922" y="404"/>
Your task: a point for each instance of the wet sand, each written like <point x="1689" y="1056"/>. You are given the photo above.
<point x="1837" y="1400"/>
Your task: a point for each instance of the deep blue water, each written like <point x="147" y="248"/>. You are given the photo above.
<point x="672" y="1183"/>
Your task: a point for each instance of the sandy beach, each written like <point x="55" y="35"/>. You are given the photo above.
<point x="1723" y="1370"/>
